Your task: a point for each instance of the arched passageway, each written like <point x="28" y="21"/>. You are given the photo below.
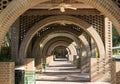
<point x="108" y="8"/>
<point x="95" y="39"/>
<point x="60" y="52"/>
<point x="65" y="19"/>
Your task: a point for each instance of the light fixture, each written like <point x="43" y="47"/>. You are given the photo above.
<point x="41" y="45"/>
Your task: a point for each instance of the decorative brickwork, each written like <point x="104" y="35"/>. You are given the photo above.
<point x="4" y="3"/>
<point x="97" y="21"/>
<point x="110" y="10"/>
<point x="108" y="46"/>
<point x="7" y="73"/>
<point x="117" y="2"/>
<point x="26" y="22"/>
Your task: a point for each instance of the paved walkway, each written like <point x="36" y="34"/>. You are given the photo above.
<point x="63" y="72"/>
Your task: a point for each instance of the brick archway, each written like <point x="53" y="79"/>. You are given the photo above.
<point x="67" y="20"/>
<point x="84" y="59"/>
<point x="66" y="43"/>
<point x="60" y="43"/>
<point x="18" y="7"/>
<point x="82" y="39"/>
<point x="51" y="36"/>
<point x="39" y="40"/>
<point x="69" y="47"/>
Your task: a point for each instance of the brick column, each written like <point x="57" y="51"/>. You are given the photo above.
<point x="49" y="59"/>
<point x="115" y="73"/>
<point x="96" y="70"/>
<point x="103" y="65"/>
<point x="108" y="47"/>
<point x="7" y="73"/>
<point x="29" y="64"/>
<point x="38" y="63"/>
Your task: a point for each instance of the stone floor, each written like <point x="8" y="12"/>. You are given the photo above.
<point x="63" y="72"/>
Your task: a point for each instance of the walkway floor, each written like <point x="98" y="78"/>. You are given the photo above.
<point x="63" y="72"/>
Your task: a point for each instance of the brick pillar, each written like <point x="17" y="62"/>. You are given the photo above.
<point x="103" y="65"/>
<point x="108" y="47"/>
<point x="96" y="70"/>
<point x="29" y="64"/>
<point x="115" y="73"/>
<point x="71" y="58"/>
<point x="15" y="40"/>
<point x="38" y="63"/>
<point x="7" y="73"/>
<point x="49" y="59"/>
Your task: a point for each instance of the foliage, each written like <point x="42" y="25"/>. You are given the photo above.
<point x="5" y="55"/>
<point x="115" y="37"/>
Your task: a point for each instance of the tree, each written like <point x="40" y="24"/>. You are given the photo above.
<point x="115" y="37"/>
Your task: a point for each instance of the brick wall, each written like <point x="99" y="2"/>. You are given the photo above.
<point x="115" y="73"/>
<point x="6" y="72"/>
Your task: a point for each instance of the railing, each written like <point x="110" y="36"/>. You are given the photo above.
<point x="29" y="77"/>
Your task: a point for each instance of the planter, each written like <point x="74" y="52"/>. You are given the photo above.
<point x="7" y="72"/>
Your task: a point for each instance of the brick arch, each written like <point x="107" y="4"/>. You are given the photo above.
<point x="60" y="43"/>
<point x="68" y="20"/>
<point x="51" y="36"/>
<point x="75" y="39"/>
<point x="18" y="7"/>
<point x="36" y="48"/>
<point x="54" y="40"/>
<point x="69" y="47"/>
<point x="39" y="40"/>
<point x="80" y="38"/>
